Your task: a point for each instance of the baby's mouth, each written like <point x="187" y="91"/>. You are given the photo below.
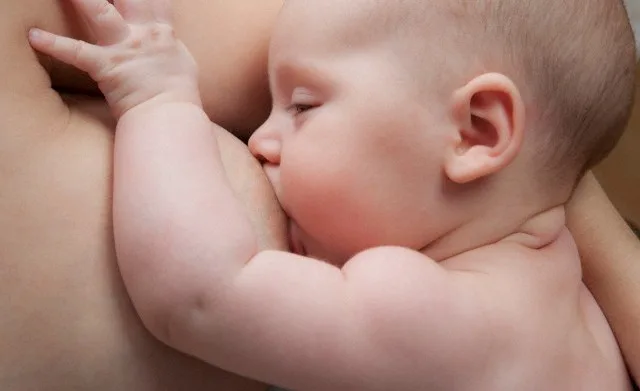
<point x="295" y="244"/>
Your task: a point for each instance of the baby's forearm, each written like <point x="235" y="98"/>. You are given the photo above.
<point x="173" y="208"/>
<point x="611" y="261"/>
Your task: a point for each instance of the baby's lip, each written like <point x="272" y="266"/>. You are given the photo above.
<point x="273" y="176"/>
<point x="295" y="245"/>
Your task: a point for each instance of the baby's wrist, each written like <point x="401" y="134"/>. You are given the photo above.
<point x="160" y="105"/>
<point x="160" y="101"/>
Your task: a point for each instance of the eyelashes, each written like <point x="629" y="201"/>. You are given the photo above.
<point x="299" y="108"/>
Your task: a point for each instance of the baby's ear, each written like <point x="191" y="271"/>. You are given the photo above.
<point x="489" y="119"/>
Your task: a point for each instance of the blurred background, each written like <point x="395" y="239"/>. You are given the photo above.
<point x="620" y="173"/>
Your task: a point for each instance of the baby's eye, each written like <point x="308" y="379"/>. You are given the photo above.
<point x="300" y="108"/>
<point x="302" y="100"/>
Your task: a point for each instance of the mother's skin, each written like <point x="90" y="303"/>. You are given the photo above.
<point x="65" y="320"/>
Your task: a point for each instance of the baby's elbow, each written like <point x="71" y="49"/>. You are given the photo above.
<point x="157" y="313"/>
<point x="181" y="324"/>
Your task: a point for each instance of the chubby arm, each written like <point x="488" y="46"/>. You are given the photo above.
<point x="191" y="265"/>
<point x="386" y="316"/>
<point x="173" y="204"/>
<point x="610" y="255"/>
<point x="192" y="268"/>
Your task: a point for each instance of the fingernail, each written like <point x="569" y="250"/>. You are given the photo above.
<point x="35" y="33"/>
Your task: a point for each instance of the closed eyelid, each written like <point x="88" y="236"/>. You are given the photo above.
<point x="301" y="95"/>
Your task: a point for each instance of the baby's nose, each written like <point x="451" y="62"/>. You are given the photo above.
<point x="265" y="145"/>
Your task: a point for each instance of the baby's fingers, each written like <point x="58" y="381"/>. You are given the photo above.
<point x="79" y="54"/>
<point x="136" y="11"/>
<point x="104" y="20"/>
<point x="162" y="11"/>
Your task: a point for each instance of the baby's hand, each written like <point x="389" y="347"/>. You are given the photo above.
<point x="137" y="58"/>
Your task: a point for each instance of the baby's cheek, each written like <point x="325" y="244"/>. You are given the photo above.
<point x="306" y="187"/>
<point x="324" y="203"/>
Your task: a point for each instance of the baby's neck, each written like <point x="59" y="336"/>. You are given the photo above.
<point x="514" y="225"/>
<point x="541" y="229"/>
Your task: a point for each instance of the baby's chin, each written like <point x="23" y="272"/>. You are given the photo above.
<point x="301" y="244"/>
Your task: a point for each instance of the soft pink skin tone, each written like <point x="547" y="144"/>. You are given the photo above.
<point x="427" y="290"/>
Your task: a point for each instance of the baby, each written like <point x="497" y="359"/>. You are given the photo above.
<point x="423" y="151"/>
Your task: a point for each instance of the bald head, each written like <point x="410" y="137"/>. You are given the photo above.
<point x="572" y="60"/>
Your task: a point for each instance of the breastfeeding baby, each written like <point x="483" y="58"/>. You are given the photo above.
<point x="423" y="152"/>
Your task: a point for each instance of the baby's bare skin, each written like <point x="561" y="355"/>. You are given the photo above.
<point x="67" y="323"/>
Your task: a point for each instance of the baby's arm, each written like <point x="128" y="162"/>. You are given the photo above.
<point x="189" y="257"/>
<point x="610" y="255"/>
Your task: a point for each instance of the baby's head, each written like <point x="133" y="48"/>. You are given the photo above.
<point x="396" y="122"/>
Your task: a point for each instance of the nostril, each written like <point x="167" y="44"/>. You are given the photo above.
<point x="261" y="159"/>
<point x="265" y="150"/>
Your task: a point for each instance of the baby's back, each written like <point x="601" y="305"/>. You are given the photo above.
<point x="559" y="338"/>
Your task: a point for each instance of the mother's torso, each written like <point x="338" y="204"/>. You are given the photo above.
<point x="65" y="320"/>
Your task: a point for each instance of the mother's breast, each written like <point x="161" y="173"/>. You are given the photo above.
<point x="66" y="319"/>
<point x="229" y="39"/>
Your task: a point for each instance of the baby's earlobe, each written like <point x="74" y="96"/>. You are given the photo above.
<point x="464" y="165"/>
